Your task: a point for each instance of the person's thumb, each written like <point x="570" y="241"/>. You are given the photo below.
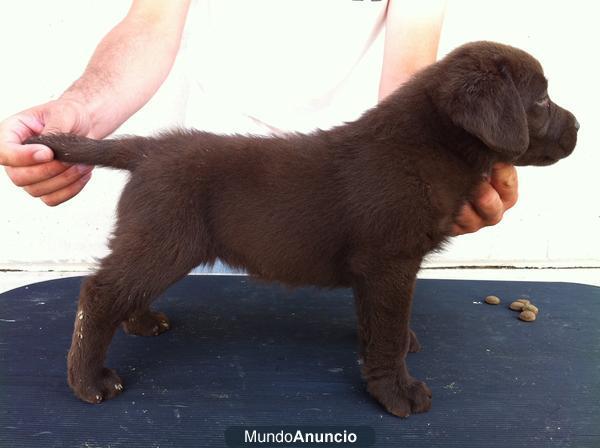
<point x="58" y="124"/>
<point x="64" y="117"/>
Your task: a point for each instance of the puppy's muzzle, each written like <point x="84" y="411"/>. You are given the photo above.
<point x="568" y="139"/>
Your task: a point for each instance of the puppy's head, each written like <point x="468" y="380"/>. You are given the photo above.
<point x="499" y="94"/>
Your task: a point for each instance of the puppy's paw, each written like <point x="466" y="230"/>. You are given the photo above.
<point x="147" y="324"/>
<point x="101" y="387"/>
<point x="401" y="398"/>
<point x="414" y="345"/>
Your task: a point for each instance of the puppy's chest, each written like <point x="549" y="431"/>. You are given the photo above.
<point x="409" y="224"/>
<point x="429" y="223"/>
<point x="447" y="200"/>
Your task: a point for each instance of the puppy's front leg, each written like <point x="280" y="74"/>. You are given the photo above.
<point x="383" y="299"/>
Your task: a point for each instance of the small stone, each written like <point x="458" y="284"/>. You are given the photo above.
<point x="527" y="316"/>
<point x="492" y="300"/>
<point x="523" y="300"/>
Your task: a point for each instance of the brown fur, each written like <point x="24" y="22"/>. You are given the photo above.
<point x="356" y="206"/>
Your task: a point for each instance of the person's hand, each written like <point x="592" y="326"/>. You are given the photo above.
<point x="491" y="199"/>
<point x="32" y="166"/>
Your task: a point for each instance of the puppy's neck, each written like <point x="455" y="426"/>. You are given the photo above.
<point x="409" y="121"/>
<point x="475" y="155"/>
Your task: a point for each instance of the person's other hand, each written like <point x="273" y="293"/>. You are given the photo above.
<point x="32" y="166"/>
<point x="491" y="199"/>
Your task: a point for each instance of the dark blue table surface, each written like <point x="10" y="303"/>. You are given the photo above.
<point x="242" y="352"/>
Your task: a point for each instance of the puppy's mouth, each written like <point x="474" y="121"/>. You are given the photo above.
<point x="548" y="160"/>
<point x="542" y="160"/>
<point x="535" y="155"/>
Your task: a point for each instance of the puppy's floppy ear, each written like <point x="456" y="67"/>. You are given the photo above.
<point x="486" y="103"/>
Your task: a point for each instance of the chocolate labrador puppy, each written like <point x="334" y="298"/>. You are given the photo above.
<point x="356" y="206"/>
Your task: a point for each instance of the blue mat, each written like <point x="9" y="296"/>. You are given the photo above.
<point x="245" y="353"/>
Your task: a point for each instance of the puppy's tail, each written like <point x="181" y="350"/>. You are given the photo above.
<point x="124" y="153"/>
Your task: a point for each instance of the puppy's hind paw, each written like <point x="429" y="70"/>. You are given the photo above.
<point x="103" y="387"/>
<point x="147" y="324"/>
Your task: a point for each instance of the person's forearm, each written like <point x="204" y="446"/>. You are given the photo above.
<point x="128" y="67"/>
<point x="412" y="36"/>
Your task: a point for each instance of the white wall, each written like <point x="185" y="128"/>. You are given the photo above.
<point x="45" y="45"/>
<point x="557" y="219"/>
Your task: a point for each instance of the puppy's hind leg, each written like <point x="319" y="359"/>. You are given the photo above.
<point x="146" y="258"/>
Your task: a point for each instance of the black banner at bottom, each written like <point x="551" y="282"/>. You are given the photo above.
<point x="300" y="436"/>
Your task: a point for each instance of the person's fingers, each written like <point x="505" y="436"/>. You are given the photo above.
<point x="66" y="193"/>
<point x="20" y="127"/>
<point x="505" y="181"/>
<point x="15" y="130"/>
<point x="23" y="176"/>
<point x="490" y="201"/>
<point x="14" y="154"/>
<point x="487" y="204"/>
<point x="33" y="166"/>
<point x="467" y="221"/>
<point x="58" y="182"/>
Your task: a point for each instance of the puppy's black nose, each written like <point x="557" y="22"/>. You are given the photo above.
<point x="576" y="124"/>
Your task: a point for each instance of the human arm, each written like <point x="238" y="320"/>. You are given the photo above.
<point x="126" y="69"/>
<point x="412" y="36"/>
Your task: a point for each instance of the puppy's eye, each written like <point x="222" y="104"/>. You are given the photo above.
<point x="543" y="102"/>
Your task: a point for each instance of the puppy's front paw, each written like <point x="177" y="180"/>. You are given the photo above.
<point x="400" y="398"/>
<point x="147" y="324"/>
<point x="98" y="388"/>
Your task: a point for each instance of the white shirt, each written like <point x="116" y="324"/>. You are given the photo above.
<point x="270" y="66"/>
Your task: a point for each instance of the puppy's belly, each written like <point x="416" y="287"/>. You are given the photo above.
<point x="286" y="257"/>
